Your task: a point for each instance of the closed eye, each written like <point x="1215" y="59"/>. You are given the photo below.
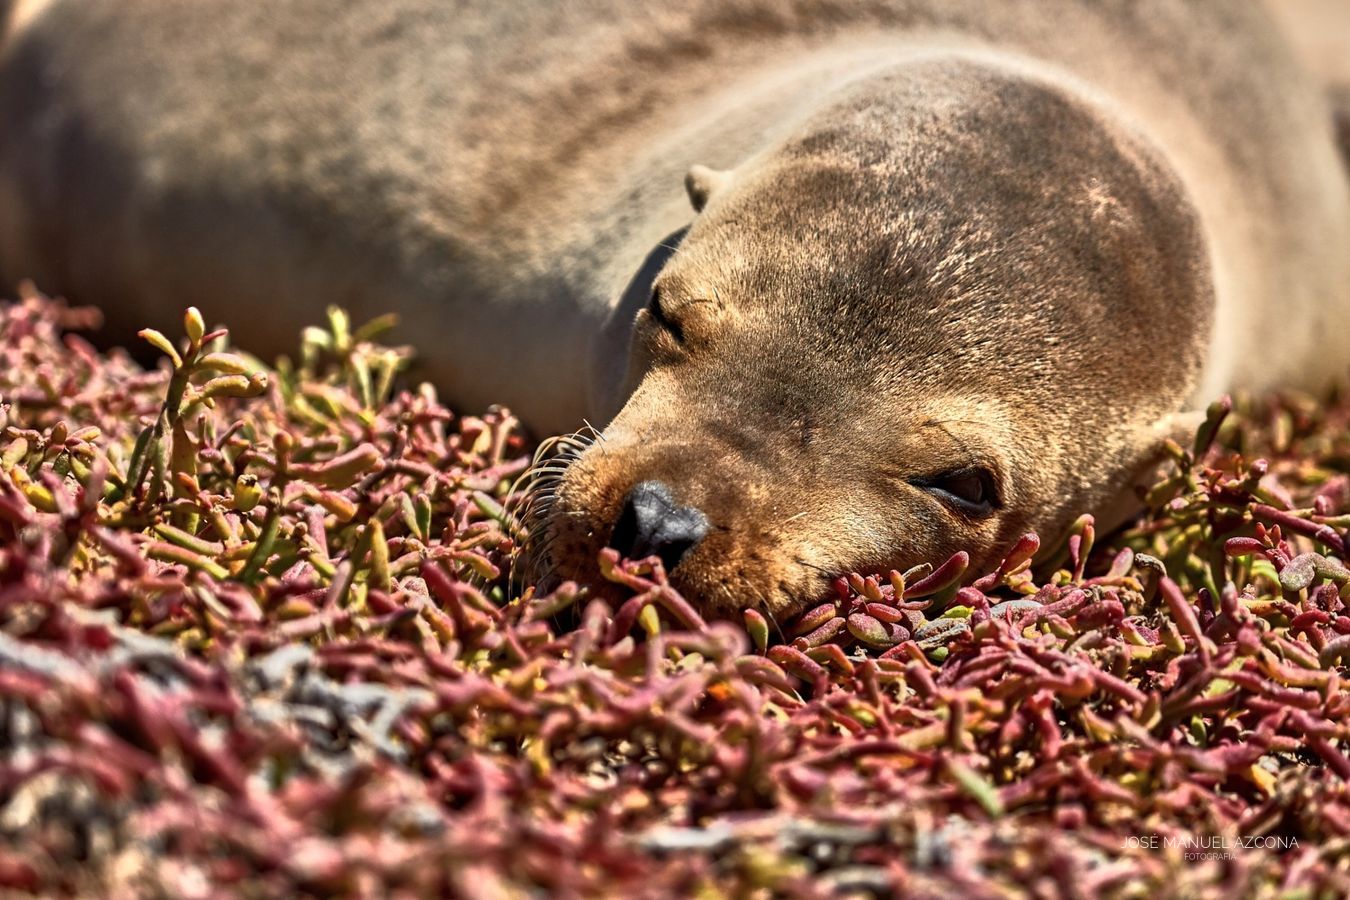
<point x="971" y="490"/>
<point x="665" y="321"/>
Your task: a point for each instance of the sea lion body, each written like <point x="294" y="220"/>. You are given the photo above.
<point x="1101" y="214"/>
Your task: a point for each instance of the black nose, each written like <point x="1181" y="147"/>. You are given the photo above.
<point x="651" y="524"/>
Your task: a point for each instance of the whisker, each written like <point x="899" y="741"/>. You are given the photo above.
<point x="938" y="423"/>
<point x="773" y="620"/>
<point x="532" y="501"/>
<point x="822" y="571"/>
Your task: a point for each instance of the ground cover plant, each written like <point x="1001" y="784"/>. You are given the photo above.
<point x="257" y="637"/>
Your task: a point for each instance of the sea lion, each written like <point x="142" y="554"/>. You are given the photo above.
<point x="941" y="271"/>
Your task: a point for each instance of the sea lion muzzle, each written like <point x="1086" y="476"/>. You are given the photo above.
<point x="653" y="524"/>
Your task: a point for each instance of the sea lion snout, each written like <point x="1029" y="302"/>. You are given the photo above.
<point x="764" y="514"/>
<point x="653" y="524"/>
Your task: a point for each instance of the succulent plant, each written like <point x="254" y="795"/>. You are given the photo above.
<point x="257" y="637"/>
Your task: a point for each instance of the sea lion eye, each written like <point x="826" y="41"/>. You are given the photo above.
<point x="972" y="490"/>
<point x="662" y="318"/>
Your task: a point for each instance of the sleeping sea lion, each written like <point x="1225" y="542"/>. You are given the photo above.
<point x="848" y="285"/>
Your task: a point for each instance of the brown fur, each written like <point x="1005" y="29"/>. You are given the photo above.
<point x="1030" y="235"/>
<point x="924" y="339"/>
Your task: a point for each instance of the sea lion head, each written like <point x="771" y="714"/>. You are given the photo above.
<point x="955" y="306"/>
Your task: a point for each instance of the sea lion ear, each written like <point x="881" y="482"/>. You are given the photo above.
<point x="702" y="182"/>
<point x="1153" y="464"/>
<point x="1180" y="426"/>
